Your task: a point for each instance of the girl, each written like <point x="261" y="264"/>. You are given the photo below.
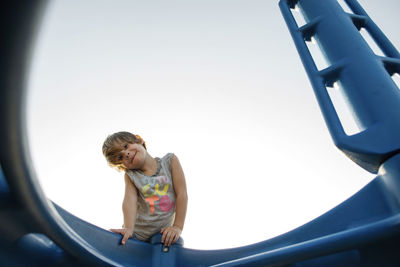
<point x="155" y="197"/>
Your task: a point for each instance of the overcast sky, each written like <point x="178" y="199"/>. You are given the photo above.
<point x="218" y="83"/>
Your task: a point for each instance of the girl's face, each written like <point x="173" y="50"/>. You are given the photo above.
<point x="132" y="156"/>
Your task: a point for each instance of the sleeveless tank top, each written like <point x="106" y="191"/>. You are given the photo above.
<point x="156" y="199"/>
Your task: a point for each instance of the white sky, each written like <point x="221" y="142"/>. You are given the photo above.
<point x="219" y="83"/>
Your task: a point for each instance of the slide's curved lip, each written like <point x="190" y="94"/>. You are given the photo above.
<point x="20" y="21"/>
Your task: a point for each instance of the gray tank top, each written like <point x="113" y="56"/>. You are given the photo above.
<point x="156" y="199"/>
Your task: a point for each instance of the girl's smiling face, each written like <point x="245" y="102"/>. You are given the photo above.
<point x="132" y="156"/>
<point x="124" y="151"/>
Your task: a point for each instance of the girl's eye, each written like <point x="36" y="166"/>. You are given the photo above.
<point x="120" y="157"/>
<point x="125" y="146"/>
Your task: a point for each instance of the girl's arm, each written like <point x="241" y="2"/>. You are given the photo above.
<point x="129" y="209"/>
<point x="171" y="234"/>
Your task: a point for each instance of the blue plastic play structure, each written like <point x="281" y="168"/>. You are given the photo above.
<point x="362" y="231"/>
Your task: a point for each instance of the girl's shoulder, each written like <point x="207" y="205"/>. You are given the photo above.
<point x="167" y="158"/>
<point x="130" y="174"/>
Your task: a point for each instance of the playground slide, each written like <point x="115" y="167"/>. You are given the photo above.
<point x="362" y="231"/>
<point x="350" y="233"/>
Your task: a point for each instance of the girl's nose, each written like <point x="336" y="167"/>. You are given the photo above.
<point x="125" y="153"/>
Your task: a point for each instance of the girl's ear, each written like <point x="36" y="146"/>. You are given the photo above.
<point x="142" y="142"/>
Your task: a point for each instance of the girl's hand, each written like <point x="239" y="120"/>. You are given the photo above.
<point x="125" y="232"/>
<point x="170" y="235"/>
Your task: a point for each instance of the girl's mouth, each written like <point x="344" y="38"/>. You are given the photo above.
<point x="133" y="157"/>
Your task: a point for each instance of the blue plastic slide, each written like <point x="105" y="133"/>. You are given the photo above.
<point x="362" y="231"/>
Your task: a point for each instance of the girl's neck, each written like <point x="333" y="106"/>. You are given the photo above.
<point x="150" y="166"/>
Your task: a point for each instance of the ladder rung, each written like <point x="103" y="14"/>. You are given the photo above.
<point x="292" y="3"/>
<point x="392" y="65"/>
<point x="358" y="20"/>
<point x="331" y="74"/>
<point x="308" y="30"/>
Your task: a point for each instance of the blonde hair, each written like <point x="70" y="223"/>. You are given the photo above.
<point x="112" y="147"/>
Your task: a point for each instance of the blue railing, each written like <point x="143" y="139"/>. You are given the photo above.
<point x="364" y="78"/>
